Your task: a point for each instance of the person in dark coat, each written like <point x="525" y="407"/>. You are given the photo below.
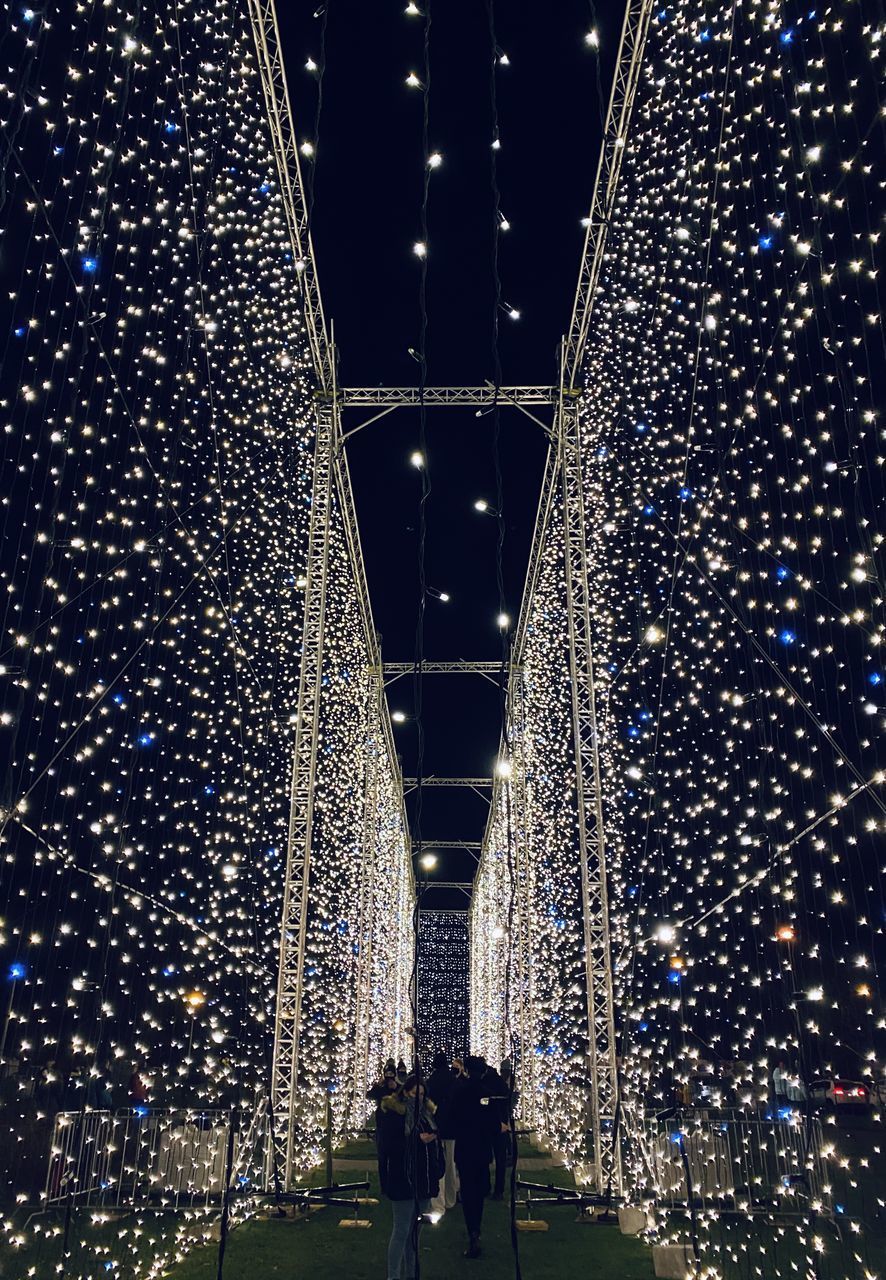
<point x="439" y="1089"/>
<point x="384" y="1087"/>
<point x="475" y="1122"/>
<point x="410" y="1161"/>
<point x="501" y="1142"/>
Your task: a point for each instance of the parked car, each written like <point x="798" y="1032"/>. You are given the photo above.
<point x="834" y="1093"/>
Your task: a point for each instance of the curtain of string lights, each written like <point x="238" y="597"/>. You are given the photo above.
<point x="733" y="376"/>
<point x="443" y="984"/>
<point x="158" y="430"/>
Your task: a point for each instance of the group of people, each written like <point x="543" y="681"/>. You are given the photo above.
<point x="436" y="1140"/>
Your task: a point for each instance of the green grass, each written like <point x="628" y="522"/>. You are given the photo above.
<point x="319" y="1248"/>
<point x="751" y="1249"/>
<point x="131" y="1241"/>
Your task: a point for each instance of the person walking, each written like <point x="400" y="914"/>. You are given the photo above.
<point x="506" y="1102"/>
<point x="475" y="1121"/>
<point x="410" y="1161"/>
<point x="439" y="1088"/>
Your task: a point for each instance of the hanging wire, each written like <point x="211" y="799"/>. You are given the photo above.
<point x="504" y="630"/>
<point x="419" y="652"/>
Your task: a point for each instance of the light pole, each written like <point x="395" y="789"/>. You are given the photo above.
<point x="17" y="971"/>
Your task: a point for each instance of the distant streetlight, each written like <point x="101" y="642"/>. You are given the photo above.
<point x="17" y="972"/>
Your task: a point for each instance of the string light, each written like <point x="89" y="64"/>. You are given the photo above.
<point x="159" y="431"/>
<point x="443" y="984"/>
<point x="733" y="477"/>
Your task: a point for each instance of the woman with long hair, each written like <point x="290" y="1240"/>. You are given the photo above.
<point x="410" y="1163"/>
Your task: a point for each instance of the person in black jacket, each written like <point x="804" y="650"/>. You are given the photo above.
<point x="439" y="1089"/>
<point x="501" y="1139"/>
<point x="475" y="1121"/>
<point x="382" y="1088"/>
<point x="409" y="1166"/>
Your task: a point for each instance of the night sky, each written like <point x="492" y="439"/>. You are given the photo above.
<point x="366" y="216"/>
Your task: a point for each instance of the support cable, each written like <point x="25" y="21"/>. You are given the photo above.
<point x="418" y="672"/>
<point x="504" y="629"/>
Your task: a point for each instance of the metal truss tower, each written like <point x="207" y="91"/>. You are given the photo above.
<point x="565" y="479"/>
<point x="331" y="492"/>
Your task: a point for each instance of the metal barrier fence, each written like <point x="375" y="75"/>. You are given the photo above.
<point x="731" y="1160"/>
<point x="163" y="1159"/>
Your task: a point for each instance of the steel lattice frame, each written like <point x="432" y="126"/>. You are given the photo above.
<point x="331" y="481"/>
<point x="565" y="464"/>
<point x="565" y="471"/>
<point x="290" y="980"/>
<point x="589" y="804"/>
<point x="522" y="873"/>
<point x="374" y="749"/>
<point x="436" y="397"/>
<point x="621" y="102"/>
<point x="263" y="15"/>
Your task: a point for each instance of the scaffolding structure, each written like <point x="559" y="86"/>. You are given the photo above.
<point x="564" y="479"/>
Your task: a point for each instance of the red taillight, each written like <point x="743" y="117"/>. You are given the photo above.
<point x="838" y="1092"/>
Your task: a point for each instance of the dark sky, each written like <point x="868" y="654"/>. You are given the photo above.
<point x="366" y="217"/>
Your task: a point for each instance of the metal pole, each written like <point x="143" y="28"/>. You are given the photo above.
<point x="589" y="800"/>
<point x="224" y="1225"/>
<point x="374" y="746"/>
<point x="7" y="1020"/>
<point x="293" y="932"/>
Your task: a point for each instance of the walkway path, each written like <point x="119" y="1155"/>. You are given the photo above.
<point x="319" y="1249"/>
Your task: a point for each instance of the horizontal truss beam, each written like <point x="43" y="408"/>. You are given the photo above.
<point x="411" y="783"/>
<point x="482" y="397"/>
<point x="490" y="671"/>
<point x="443" y="668"/>
<point x="429" y="845"/>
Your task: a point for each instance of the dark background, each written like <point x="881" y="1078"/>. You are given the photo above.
<point x="367" y="190"/>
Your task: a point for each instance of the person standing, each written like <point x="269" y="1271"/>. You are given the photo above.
<point x="384" y="1087"/>
<point x="506" y="1102"/>
<point x="409" y="1167"/>
<point x="440" y="1085"/>
<point x="475" y="1121"/>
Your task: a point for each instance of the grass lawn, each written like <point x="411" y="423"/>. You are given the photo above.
<point x="320" y="1249"/>
<point x="317" y="1248"/>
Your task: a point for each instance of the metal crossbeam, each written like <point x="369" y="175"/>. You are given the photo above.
<point x="443" y="668"/>
<point x="428" y="845"/>
<point x="491" y="671"/>
<point x="412" y="783"/>
<point x="437" y="397"/>
<point x="621" y="102"/>
<point x="464" y="886"/>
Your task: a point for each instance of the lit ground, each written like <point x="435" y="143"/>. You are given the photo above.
<point x="319" y="1249"/>
<point x="322" y="1250"/>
